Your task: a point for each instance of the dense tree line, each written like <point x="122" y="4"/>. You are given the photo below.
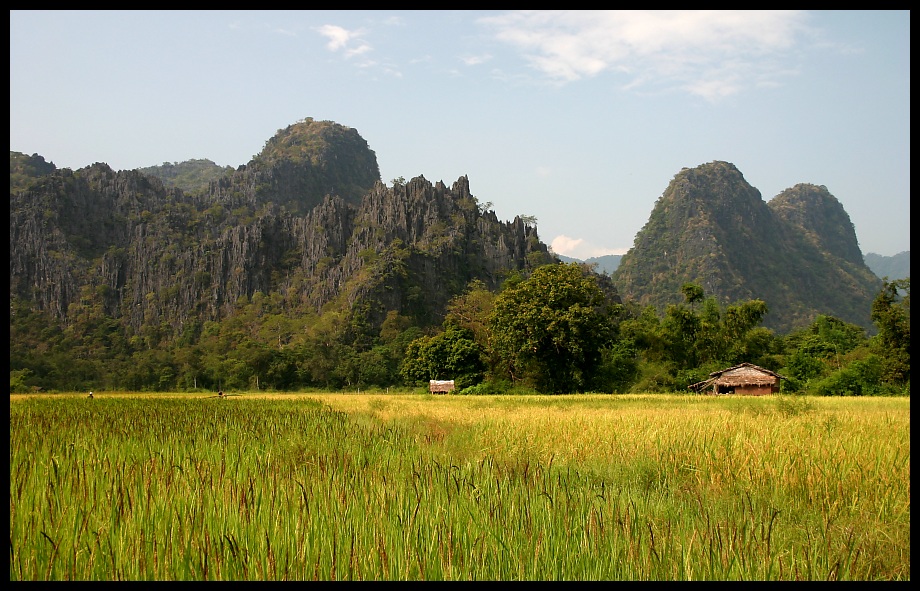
<point x="552" y="330"/>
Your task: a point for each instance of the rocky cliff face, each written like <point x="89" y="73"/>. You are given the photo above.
<point x="308" y="223"/>
<point x="307" y="220"/>
<point x="798" y="253"/>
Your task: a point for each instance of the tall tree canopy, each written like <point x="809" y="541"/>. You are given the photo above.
<point x="891" y="314"/>
<point x="451" y="355"/>
<point x="549" y="329"/>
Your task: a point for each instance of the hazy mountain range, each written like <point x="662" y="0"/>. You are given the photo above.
<point x="892" y="267"/>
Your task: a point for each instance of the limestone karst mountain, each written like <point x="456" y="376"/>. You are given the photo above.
<point x="798" y="253"/>
<point x="307" y="222"/>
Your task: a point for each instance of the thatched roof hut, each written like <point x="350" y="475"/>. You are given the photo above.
<point x="440" y="386"/>
<point x="745" y="378"/>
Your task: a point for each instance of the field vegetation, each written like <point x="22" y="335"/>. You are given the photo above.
<point x="411" y="486"/>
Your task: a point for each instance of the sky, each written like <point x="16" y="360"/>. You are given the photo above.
<point x="579" y="119"/>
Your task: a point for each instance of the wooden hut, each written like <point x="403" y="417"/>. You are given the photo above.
<point x="746" y="378"/>
<point x="440" y="386"/>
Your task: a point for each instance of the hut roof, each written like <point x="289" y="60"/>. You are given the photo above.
<point x="743" y="374"/>
<point x="440" y="385"/>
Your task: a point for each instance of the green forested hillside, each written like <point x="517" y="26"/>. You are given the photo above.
<point x="192" y="176"/>
<point x="301" y="269"/>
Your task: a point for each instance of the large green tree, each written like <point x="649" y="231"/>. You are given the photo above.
<point x="452" y="354"/>
<point x="814" y="353"/>
<point x="702" y="333"/>
<point x="891" y="314"/>
<point x="695" y="338"/>
<point x="549" y="330"/>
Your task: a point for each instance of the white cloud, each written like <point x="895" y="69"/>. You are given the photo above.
<point x="475" y="60"/>
<point x="577" y="248"/>
<point x="352" y="45"/>
<point x="359" y="50"/>
<point x="338" y="36"/>
<point x="341" y="38"/>
<point x="392" y="72"/>
<point x="706" y="53"/>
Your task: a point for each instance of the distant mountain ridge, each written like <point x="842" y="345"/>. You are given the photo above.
<point x="892" y="267"/>
<point x="192" y="176"/>
<point x="607" y="263"/>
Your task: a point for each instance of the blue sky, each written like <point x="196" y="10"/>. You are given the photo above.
<point x="580" y="119"/>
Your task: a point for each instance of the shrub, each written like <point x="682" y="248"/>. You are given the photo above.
<point x="859" y="378"/>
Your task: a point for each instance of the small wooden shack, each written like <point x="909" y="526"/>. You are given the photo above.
<point x="440" y="386"/>
<point x="745" y="378"/>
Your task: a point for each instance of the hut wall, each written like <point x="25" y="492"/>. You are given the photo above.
<point x="754" y="390"/>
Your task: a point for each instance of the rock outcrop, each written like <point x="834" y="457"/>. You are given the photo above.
<point x="307" y="220"/>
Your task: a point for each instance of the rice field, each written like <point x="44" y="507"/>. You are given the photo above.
<point x="408" y="486"/>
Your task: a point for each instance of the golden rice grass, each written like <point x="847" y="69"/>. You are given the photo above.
<point x="406" y="486"/>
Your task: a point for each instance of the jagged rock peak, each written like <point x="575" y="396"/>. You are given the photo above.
<point x="27" y="170"/>
<point x="462" y="187"/>
<point x="820" y="218"/>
